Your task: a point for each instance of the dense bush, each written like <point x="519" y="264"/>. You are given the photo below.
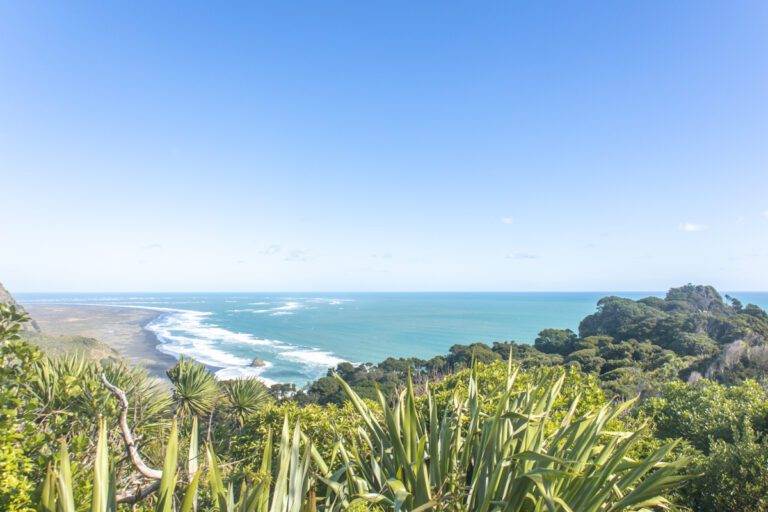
<point x="403" y="456"/>
<point x="727" y="426"/>
<point x="491" y="377"/>
<point x="323" y="424"/>
<point x="733" y="477"/>
<point x="706" y="411"/>
<point x="16" y="468"/>
<point x="555" y="341"/>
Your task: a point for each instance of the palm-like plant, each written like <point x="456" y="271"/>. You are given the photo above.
<point x="514" y="459"/>
<point x="244" y="397"/>
<point x="57" y="493"/>
<point x="291" y="489"/>
<point x="195" y="390"/>
<point x="511" y="460"/>
<point x="57" y="490"/>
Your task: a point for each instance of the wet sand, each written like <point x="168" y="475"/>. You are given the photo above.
<point x="122" y="329"/>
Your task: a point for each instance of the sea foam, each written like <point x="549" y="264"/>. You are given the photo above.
<point x="311" y="357"/>
<point x="187" y="333"/>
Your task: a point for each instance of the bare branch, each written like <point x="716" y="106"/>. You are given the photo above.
<point x="139" y="494"/>
<point x="130" y="443"/>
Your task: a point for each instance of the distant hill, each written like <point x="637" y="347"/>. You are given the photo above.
<point x="59" y="344"/>
<point x="7" y="298"/>
<point x="64" y="344"/>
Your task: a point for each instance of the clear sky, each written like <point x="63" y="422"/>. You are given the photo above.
<point x="371" y="146"/>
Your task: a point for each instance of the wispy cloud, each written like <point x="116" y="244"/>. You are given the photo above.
<point x="271" y="249"/>
<point x="507" y="220"/>
<point x="382" y="256"/>
<point x="691" y="227"/>
<point x="296" y="255"/>
<point x="522" y="256"/>
<point x="150" y="247"/>
<point x="765" y="214"/>
<point x="375" y="270"/>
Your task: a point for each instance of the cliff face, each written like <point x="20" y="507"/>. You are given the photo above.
<point x="7" y="298"/>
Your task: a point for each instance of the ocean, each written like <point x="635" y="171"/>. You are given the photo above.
<point x="299" y="336"/>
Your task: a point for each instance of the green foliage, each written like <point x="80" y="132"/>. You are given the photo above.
<point x="16" y="466"/>
<point x="556" y="341"/>
<point x="58" y="488"/>
<point x="459" y="458"/>
<point x="694" y="344"/>
<point x="350" y="448"/>
<point x="461" y="356"/>
<point x="195" y="391"/>
<point x="11" y="320"/>
<point x="622" y="319"/>
<point x="400" y="457"/>
<point x="587" y="359"/>
<point x="733" y="477"/>
<point x="44" y="400"/>
<point x="389" y="375"/>
<point x="322" y="424"/>
<point x="525" y="355"/>
<point x="244" y="397"/>
<point x="706" y="410"/>
<point x="633" y="347"/>
<point x="491" y="379"/>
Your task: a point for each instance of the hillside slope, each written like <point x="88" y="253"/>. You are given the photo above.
<point x="7" y="298"/>
<point x="56" y="345"/>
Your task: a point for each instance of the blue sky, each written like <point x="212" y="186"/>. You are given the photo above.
<point x="383" y="146"/>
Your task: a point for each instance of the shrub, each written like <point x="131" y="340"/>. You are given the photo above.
<point x="733" y="477"/>
<point x="587" y="359"/>
<point x="697" y="344"/>
<point x="323" y="424"/>
<point x="555" y="341"/>
<point x="706" y="410"/>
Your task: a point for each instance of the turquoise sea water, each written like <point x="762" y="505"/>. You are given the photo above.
<point x="300" y="336"/>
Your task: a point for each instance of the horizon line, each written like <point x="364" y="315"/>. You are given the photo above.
<point x="363" y="292"/>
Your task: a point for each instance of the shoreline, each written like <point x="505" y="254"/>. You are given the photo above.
<point x="122" y="329"/>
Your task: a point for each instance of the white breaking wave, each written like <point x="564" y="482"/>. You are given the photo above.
<point x="240" y="372"/>
<point x="185" y="333"/>
<point x="286" y="309"/>
<point x="247" y="310"/>
<point x="329" y="301"/>
<point x="290" y="306"/>
<point x="312" y="357"/>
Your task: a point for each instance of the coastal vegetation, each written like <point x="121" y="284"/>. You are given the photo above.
<point x="632" y="346"/>
<point x="656" y="403"/>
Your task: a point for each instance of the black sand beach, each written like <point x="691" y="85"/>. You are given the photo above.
<point x="122" y="329"/>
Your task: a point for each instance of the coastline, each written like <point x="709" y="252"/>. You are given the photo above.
<point x="121" y="329"/>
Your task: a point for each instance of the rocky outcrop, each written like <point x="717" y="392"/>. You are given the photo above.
<point x="7" y="298"/>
